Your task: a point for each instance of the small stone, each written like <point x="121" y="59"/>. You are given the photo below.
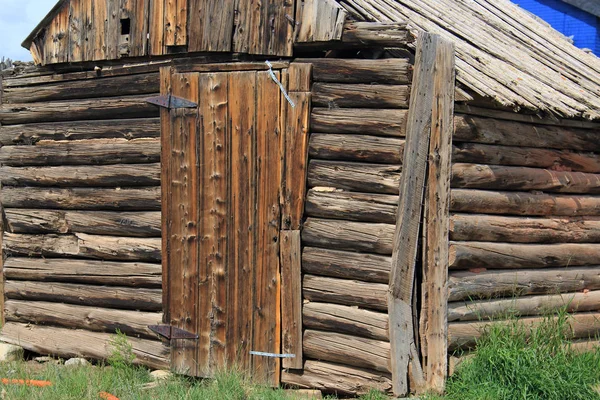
<point x="10" y="352"/>
<point x="160" y="374"/>
<point x="304" y="394"/>
<point x="46" y="359"/>
<point x="77" y="362"/>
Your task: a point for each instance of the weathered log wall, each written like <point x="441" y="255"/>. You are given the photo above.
<point x="355" y="161"/>
<point x="525" y="229"/>
<point x="80" y="175"/>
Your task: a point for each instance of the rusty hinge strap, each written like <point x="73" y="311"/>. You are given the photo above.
<point x="171" y="102"/>
<point x="171" y="332"/>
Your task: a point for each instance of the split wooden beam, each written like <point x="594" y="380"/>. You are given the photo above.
<point x="427" y="118"/>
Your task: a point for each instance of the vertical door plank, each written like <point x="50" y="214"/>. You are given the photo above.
<point x="244" y="30"/>
<point x="435" y="260"/>
<point x="242" y="87"/>
<point x="408" y="224"/>
<point x="213" y="222"/>
<point x="211" y="25"/>
<point x="182" y="23"/>
<point x="267" y="281"/>
<point x="170" y="36"/>
<point x="156" y="28"/>
<point x="296" y="154"/>
<point x="99" y="23"/>
<point x="183" y="263"/>
<point x="75" y="30"/>
<point x="291" y="298"/>
<point x="165" y="185"/>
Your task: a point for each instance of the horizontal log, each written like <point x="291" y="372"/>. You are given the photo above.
<point x="66" y="343"/>
<point x="523" y="203"/>
<point x="85" y="89"/>
<point x="391" y="71"/>
<point x="378" y="34"/>
<point x="491" y="255"/>
<point x="360" y="95"/>
<point x="493" y="228"/>
<point x="558" y="160"/>
<point x="141" y="223"/>
<point x="87" y="295"/>
<point x="139" y="199"/>
<point x="365" y="148"/>
<point x="133" y="323"/>
<point x="344" y="319"/>
<point x="365" y="207"/>
<point x="359" y="177"/>
<point x="345" y="292"/>
<point x="124" y="129"/>
<point x="336" y="378"/>
<point x="83" y="152"/>
<point x="464" y="334"/>
<point x="499" y="177"/>
<point x="92" y="272"/>
<point x="346" y="235"/>
<point x="483" y="310"/>
<point x="74" y="110"/>
<point x="85" y="246"/>
<point x="344" y="264"/>
<point x="350" y="350"/>
<point x="116" y="175"/>
<point x="490" y="284"/>
<point x="364" y="121"/>
<point x="511" y="133"/>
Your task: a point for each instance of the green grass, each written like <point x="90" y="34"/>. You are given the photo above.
<point x="127" y="383"/>
<point x="512" y="362"/>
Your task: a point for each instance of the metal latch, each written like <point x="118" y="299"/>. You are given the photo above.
<point x="170" y="102"/>
<point x="171" y="332"/>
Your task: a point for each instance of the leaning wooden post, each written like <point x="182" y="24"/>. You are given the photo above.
<point x="434" y="312"/>
<point x="420" y="123"/>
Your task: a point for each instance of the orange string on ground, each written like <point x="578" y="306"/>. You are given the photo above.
<point x="27" y="382"/>
<point x="107" y="396"/>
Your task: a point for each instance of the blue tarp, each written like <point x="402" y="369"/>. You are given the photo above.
<point x="571" y="21"/>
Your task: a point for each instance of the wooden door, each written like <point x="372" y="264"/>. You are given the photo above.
<point x="221" y="170"/>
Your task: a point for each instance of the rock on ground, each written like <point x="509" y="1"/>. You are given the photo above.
<point x="10" y="352"/>
<point x="77" y="362"/>
<point x="160" y="375"/>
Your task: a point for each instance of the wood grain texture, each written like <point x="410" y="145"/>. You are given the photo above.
<point x="345" y="319"/>
<point x="361" y="148"/>
<point x="345" y="292"/>
<point x="366" y="121"/>
<point x="353" y="176"/>
<point x="291" y="298"/>
<point x="212" y="25"/>
<point x="319" y="21"/>
<point x="391" y="71"/>
<point x="345" y="264"/>
<point x="360" y="95"/>
<point x="90" y="272"/>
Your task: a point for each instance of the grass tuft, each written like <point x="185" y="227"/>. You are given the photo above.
<point x="513" y="361"/>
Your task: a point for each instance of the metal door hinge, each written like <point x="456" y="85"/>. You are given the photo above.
<point x="170" y="102"/>
<point x="171" y="332"/>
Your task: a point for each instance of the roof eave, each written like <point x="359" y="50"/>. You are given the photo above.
<point x="47" y="19"/>
<point x="592" y="7"/>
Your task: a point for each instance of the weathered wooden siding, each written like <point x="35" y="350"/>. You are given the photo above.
<point x="95" y="30"/>
<point x="525" y="233"/>
<point x="80" y="175"/>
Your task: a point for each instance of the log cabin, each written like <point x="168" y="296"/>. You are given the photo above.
<point x="334" y="195"/>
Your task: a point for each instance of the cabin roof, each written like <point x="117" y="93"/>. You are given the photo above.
<point x="503" y="52"/>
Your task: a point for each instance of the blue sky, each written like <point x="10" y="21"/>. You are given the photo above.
<point x="17" y="20"/>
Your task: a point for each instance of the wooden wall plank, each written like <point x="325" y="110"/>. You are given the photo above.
<point x="277" y="29"/>
<point x="267" y="335"/>
<point x="319" y="21"/>
<point x="242" y="88"/>
<point x="211" y="25"/>
<point x="170" y="22"/>
<point x="156" y="28"/>
<point x="295" y="154"/>
<point x="99" y="24"/>
<point x="434" y="306"/>
<point x="76" y="31"/>
<point x="213" y="222"/>
<point x="182" y="23"/>
<point x="291" y="298"/>
<point x="112" y="29"/>
<point x="87" y="21"/>
<point x="406" y="236"/>
<point x="139" y="28"/>
<point x="183" y="223"/>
